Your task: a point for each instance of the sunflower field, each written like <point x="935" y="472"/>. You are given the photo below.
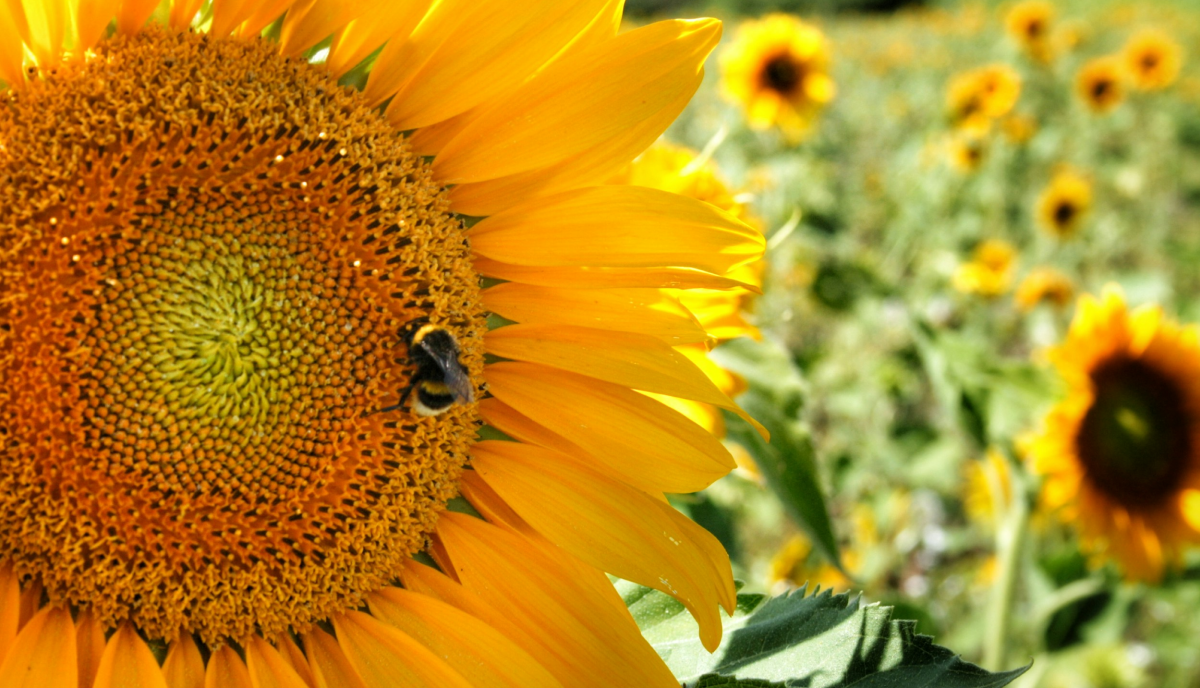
<point x="593" y="343"/>
<point x="974" y="343"/>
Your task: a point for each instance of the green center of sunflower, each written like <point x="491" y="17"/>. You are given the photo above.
<point x="1136" y="439"/>
<point x="210" y="254"/>
<point x="782" y="73"/>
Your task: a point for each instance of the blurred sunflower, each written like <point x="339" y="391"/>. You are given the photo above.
<point x="990" y="270"/>
<point x="1044" y="284"/>
<point x="967" y="149"/>
<point x="1098" y="84"/>
<point x="977" y="96"/>
<point x="1019" y="128"/>
<point x="1064" y="203"/>
<point x="1030" y="23"/>
<point x="721" y="312"/>
<point x="777" y="68"/>
<point x="1153" y="60"/>
<point x="213" y="257"/>
<point x="1121" y="454"/>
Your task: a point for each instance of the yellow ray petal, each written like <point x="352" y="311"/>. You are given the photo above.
<point x="647" y="311"/>
<point x="43" y="655"/>
<point x="89" y="646"/>
<point x="182" y="13"/>
<point x="12" y="49"/>
<point x="490" y="505"/>
<point x="385" y="21"/>
<point x="624" y="226"/>
<point x="262" y="15"/>
<point x="268" y="668"/>
<point x="134" y="14"/>
<point x="483" y="49"/>
<point x="184" y="667"/>
<point x="633" y="436"/>
<point x="295" y="658"/>
<point x="483" y="655"/>
<point x="128" y="663"/>
<point x="386" y="658"/>
<point x="632" y="360"/>
<point x="536" y="588"/>
<point x="46" y="27"/>
<point x="10" y="609"/>
<point x="92" y="18"/>
<point x="31" y="601"/>
<point x="226" y="670"/>
<point x="505" y="419"/>
<point x="582" y="101"/>
<point x="330" y="668"/>
<point x="228" y="15"/>
<point x="309" y="22"/>
<point x="613" y="527"/>
<point x="608" y="278"/>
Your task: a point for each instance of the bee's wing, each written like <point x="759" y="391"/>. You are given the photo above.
<point x="454" y="375"/>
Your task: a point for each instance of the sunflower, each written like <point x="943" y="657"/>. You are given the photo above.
<point x="1064" y="203"/>
<point x="1030" y="23"/>
<point x="966" y="149"/>
<point x="220" y="268"/>
<point x="978" y="96"/>
<point x="990" y="270"/>
<point x="1121" y="454"/>
<point x="777" y="68"/>
<point x="1152" y="59"/>
<point x="1044" y="284"/>
<point x="1099" y="84"/>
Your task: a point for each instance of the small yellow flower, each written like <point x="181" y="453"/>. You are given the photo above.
<point x="1099" y="85"/>
<point x="990" y="270"/>
<point x="985" y="480"/>
<point x="1153" y="59"/>
<point x="1030" y="24"/>
<point x="1044" y="284"/>
<point x="1064" y="203"/>
<point x="967" y="149"/>
<point x="982" y="94"/>
<point x="777" y="68"/>
<point x="1120" y="454"/>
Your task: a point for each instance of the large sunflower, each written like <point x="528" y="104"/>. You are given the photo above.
<point x="1121" y="454"/>
<point x="1153" y="59"/>
<point x="214" y="258"/>
<point x="1099" y="84"/>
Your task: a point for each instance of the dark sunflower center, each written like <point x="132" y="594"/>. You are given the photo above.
<point x="1101" y="89"/>
<point x="210" y="253"/>
<point x="1064" y="213"/>
<point x="1136" y="439"/>
<point x="1149" y="61"/>
<point x="1035" y="28"/>
<point x="782" y="73"/>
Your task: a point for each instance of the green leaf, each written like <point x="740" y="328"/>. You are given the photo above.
<point x="787" y="463"/>
<point x="817" y="641"/>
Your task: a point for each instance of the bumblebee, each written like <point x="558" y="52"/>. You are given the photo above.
<point x="438" y="378"/>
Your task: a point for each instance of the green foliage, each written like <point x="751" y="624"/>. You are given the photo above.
<point x="818" y="641"/>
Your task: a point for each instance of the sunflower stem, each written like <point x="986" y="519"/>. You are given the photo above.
<point x="1010" y="541"/>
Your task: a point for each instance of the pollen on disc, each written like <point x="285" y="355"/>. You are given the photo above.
<point x="208" y="253"/>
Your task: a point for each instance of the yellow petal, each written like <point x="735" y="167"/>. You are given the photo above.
<point x="613" y="527"/>
<point x="385" y="21"/>
<point x="268" y="669"/>
<point x="10" y="609"/>
<point x="505" y="419"/>
<point x="295" y="658"/>
<point x="89" y="645"/>
<point x="634" y="360"/>
<point x="128" y="663"/>
<point x="387" y="658"/>
<point x="228" y="15"/>
<point x="483" y="655"/>
<point x="263" y="14"/>
<point x="483" y="49"/>
<point x="634" y="437"/>
<point x="309" y="22"/>
<point x="184" y="667"/>
<point x="647" y="311"/>
<point x="618" y="226"/>
<point x="134" y="14"/>
<point x="31" y="601"/>
<point x="226" y="670"/>
<point x="582" y="101"/>
<point x="92" y="18"/>
<point x="537" y="588"/>
<point x="330" y="667"/>
<point x="46" y="25"/>
<point x="43" y="655"/>
<point x="182" y="13"/>
<point x="608" y="278"/>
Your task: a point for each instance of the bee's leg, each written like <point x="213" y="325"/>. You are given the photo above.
<point x="403" y="398"/>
